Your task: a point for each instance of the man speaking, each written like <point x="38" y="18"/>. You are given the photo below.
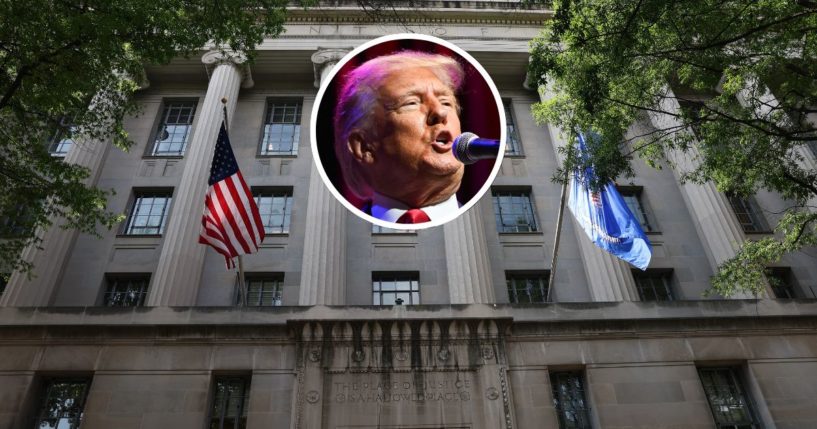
<point x="395" y="123"/>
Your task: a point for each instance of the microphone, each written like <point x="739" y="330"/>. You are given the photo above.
<point x="468" y="148"/>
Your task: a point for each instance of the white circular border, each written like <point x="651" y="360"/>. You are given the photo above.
<point x="314" y="143"/>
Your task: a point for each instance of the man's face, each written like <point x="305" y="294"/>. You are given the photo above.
<point x="414" y="126"/>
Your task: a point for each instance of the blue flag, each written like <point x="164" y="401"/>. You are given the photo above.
<point x="606" y="219"/>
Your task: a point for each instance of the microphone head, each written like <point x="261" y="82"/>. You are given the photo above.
<point x="461" y="147"/>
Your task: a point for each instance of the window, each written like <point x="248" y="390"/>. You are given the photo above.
<point x="127" y="290"/>
<point x="748" y="214"/>
<point x="513" y="147"/>
<point x="632" y="197"/>
<point x="264" y="291"/>
<point x="282" y="127"/>
<point x="63" y="403"/>
<point x="275" y="207"/>
<point x="727" y="399"/>
<point x="395" y="288"/>
<point x="653" y="285"/>
<point x="812" y="145"/>
<point x="782" y="282"/>
<point x="527" y="288"/>
<point x="149" y="212"/>
<point x="514" y="211"/>
<point x="4" y="280"/>
<point x="377" y="229"/>
<point x="174" y="128"/>
<point x="569" y="400"/>
<point x="229" y="403"/>
<point x="62" y="142"/>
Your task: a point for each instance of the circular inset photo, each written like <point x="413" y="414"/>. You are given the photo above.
<point x="408" y="131"/>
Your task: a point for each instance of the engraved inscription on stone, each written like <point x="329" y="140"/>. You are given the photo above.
<point x="432" y="388"/>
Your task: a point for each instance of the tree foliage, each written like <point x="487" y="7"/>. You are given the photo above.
<point x="70" y="67"/>
<point x="610" y="63"/>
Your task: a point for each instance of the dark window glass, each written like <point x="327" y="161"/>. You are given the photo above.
<point x="514" y="211"/>
<point x="727" y="399"/>
<point x="395" y="289"/>
<point x="175" y="126"/>
<point x="812" y="145"/>
<point x="282" y="127"/>
<point x="3" y="282"/>
<point x="782" y="282"/>
<point x="265" y="292"/>
<point x="230" y="403"/>
<point x="149" y="213"/>
<point x="513" y="145"/>
<point x="275" y="208"/>
<point x="569" y="400"/>
<point x="16" y="221"/>
<point x="62" y="142"/>
<point x="653" y="285"/>
<point x="748" y="214"/>
<point x="527" y="288"/>
<point x="63" y="403"/>
<point x="632" y="197"/>
<point x="126" y="291"/>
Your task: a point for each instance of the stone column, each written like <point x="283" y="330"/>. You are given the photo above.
<point x="323" y="271"/>
<point x="176" y="280"/>
<point x="466" y="257"/>
<point x="608" y="277"/>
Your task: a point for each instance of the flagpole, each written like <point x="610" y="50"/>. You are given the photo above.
<point x="242" y="286"/>
<point x="552" y="279"/>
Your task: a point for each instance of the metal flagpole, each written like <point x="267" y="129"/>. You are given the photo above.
<point x="242" y="287"/>
<point x="552" y="279"/>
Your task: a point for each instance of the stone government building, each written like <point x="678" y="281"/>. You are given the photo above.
<point x="140" y="329"/>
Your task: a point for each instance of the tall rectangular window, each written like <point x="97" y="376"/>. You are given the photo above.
<point x="727" y="398"/>
<point x="812" y="145"/>
<point x="782" y="282"/>
<point x="275" y="207"/>
<point x="653" y="285"/>
<point x="265" y="291"/>
<point x="229" y="409"/>
<point x="527" y="287"/>
<point x="569" y="400"/>
<point x="174" y="129"/>
<point x="514" y="211"/>
<point x="632" y="197"/>
<point x="127" y="290"/>
<point x="149" y="213"/>
<point x="395" y="289"/>
<point x="748" y="214"/>
<point x="62" y="142"/>
<point x="513" y="146"/>
<point x="63" y="403"/>
<point x="282" y="127"/>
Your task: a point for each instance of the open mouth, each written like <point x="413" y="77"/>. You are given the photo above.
<point x="443" y="142"/>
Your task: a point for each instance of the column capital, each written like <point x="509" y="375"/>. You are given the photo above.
<point x="324" y="59"/>
<point x="218" y="57"/>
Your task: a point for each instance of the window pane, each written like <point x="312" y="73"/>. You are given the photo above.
<point x="513" y="145"/>
<point x="275" y="208"/>
<point x="63" y="403"/>
<point x="747" y="213"/>
<point x="527" y="288"/>
<point x="174" y="128"/>
<point x="569" y="400"/>
<point x="282" y="127"/>
<point x="514" y="211"/>
<point x="126" y="291"/>
<point x="388" y="289"/>
<point x="653" y="285"/>
<point x="148" y="213"/>
<point x="727" y="398"/>
<point x="265" y="292"/>
<point x="229" y="403"/>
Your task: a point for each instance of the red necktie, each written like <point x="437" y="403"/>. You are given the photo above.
<point x="414" y="216"/>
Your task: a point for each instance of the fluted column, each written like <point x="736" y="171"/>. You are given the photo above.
<point x="177" y="277"/>
<point x="608" y="277"/>
<point x="466" y="257"/>
<point x="323" y="270"/>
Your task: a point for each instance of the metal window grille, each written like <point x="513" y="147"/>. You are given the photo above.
<point x="62" y="142"/>
<point x="527" y="288"/>
<point x="633" y="200"/>
<point x="265" y="292"/>
<point x="230" y="403"/>
<point x="282" y="128"/>
<point x="126" y="291"/>
<point x="513" y="145"/>
<point x="748" y="214"/>
<point x="275" y="208"/>
<point x="63" y="403"/>
<point x="781" y="282"/>
<point x="148" y="214"/>
<point x="727" y="399"/>
<point x="514" y="211"/>
<point x="569" y="400"/>
<point x="395" y="289"/>
<point x="653" y="286"/>
<point x="174" y="128"/>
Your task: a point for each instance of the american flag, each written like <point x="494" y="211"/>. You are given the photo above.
<point x="231" y="222"/>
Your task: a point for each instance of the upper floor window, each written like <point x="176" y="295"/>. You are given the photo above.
<point x="748" y="214"/>
<point x="527" y="287"/>
<point x="63" y="403"/>
<point x="513" y="146"/>
<point x="265" y="291"/>
<point x="514" y="211"/>
<point x="230" y="397"/>
<point x="395" y="289"/>
<point x="282" y="127"/>
<point x="782" y="282"/>
<point x="377" y="229"/>
<point x="174" y="129"/>
<point x="62" y="142"/>
<point x="727" y="398"/>
<point x="632" y="197"/>
<point x="128" y="290"/>
<point x="275" y="207"/>
<point x="569" y="400"/>
<point x="812" y="145"/>
<point x="149" y="213"/>
<point x="654" y="285"/>
<point x="4" y="279"/>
